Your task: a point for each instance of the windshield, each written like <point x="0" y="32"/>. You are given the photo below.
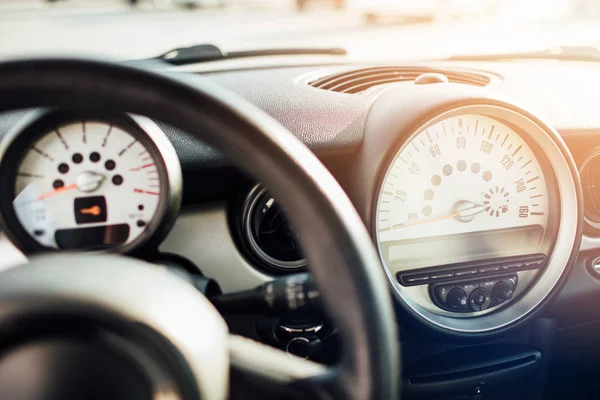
<point x="410" y="29"/>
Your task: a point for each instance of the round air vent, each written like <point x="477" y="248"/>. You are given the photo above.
<point x="271" y="240"/>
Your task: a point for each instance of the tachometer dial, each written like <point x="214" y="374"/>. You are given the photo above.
<point x="89" y="184"/>
<point x="465" y="188"/>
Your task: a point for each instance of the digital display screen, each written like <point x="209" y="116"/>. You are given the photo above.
<point x="96" y="237"/>
<point x="449" y="249"/>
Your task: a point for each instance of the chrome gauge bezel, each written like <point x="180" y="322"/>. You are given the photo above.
<point x="567" y="223"/>
<point x="39" y="122"/>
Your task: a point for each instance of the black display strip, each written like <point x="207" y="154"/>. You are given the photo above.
<point x="471" y="269"/>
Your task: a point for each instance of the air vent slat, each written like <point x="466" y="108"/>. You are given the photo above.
<point x="360" y="80"/>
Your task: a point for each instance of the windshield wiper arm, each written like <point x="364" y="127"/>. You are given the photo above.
<point x="208" y="52"/>
<point x="567" y="53"/>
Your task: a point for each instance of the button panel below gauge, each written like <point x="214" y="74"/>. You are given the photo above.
<point x="476" y="295"/>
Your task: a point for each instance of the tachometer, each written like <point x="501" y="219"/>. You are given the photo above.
<point x="88" y="183"/>
<point x="465" y="188"/>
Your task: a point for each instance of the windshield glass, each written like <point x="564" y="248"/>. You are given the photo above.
<point x="410" y="29"/>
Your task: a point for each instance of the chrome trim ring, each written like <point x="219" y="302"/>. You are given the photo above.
<point x="255" y="195"/>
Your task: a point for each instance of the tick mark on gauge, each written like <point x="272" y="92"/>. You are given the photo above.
<point x="516" y="151"/>
<point x="491" y="132"/>
<point x="57" y="184"/>
<point x="461" y="165"/>
<point x="28" y="175"/>
<point x="127" y="148"/>
<point x="386" y="192"/>
<point x="110" y="165"/>
<point x="487" y="176"/>
<point x="415" y="146"/>
<point x="447" y="170"/>
<point x="140" y="223"/>
<point x="504" y="141"/>
<point x="77" y="158"/>
<point x="107" y="135"/>
<point x="533" y="179"/>
<point x="428" y="194"/>
<point x="83" y="132"/>
<point x="436" y="180"/>
<point x="41" y="153"/>
<point x="385" y="229"/>
<point x="526" y="164"/>
<point x="426" y="210"/>
<point x="39" y="232"/>
<point x="141" y="207"/>
<point x="476" y="125"/>
<point x="475" y="168"/>
<point x="536" y="213"/>
<point x="536" y="196"/>
<point x="138" y="190"/>
<point x="429" y="137"/>
<point x="61" y="139"/>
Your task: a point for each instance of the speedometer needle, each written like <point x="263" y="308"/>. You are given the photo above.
<point x="465" y="212"/>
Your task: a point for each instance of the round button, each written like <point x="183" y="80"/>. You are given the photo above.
<point x="479" y="300"/>
<point x="457" y="298"/>
<point x="502" y="291"/>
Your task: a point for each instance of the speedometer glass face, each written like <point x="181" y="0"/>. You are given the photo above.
<point x="88" y="185"/>
<point x="465" y="188"/>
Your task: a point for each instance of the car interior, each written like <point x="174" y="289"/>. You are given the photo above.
<point x="300" y="223"/>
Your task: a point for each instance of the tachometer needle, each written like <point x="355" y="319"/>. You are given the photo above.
<point x="57" y="191"/>
<point x="465" y="211"/>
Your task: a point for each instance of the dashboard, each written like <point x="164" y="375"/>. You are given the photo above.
<point x="466" y="174"/>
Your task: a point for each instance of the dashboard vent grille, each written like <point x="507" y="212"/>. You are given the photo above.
<point x="357" y="81"/>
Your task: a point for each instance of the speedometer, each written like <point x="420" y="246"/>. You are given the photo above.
<point x="455" y="179"/>
<point x="88" y="183"/>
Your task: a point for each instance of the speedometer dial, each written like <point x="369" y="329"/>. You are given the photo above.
<point x="87" y="184"/>
<point x="465" y="188"/>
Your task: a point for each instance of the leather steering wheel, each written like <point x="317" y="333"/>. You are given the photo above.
<point x="108" y="326"/>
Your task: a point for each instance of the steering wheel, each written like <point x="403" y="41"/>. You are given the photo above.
<point x="106" y="326"/>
